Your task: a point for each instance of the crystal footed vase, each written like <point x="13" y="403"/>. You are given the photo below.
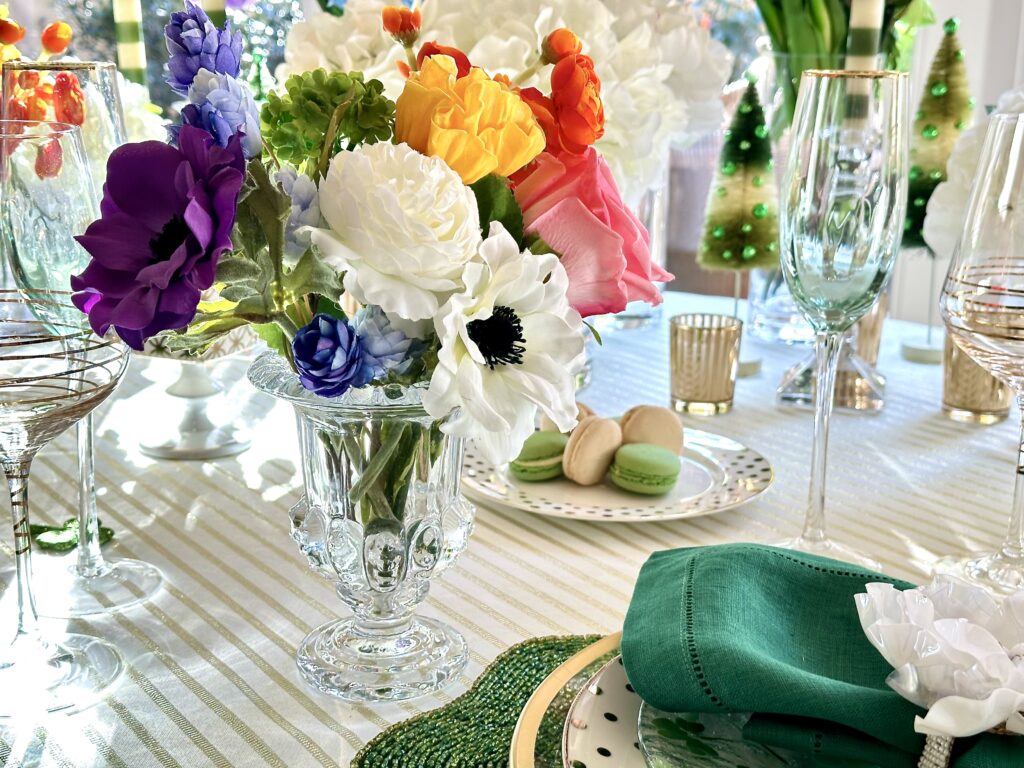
<point x="382" y="515"/>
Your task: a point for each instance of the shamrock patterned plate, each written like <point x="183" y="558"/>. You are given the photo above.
<point x="609" y="726"/>
<point x="717" y="474"/>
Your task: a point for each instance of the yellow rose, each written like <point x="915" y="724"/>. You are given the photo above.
<point x="475" y="124"/>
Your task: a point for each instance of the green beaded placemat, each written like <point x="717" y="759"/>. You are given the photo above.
<point x="476" y="729"/>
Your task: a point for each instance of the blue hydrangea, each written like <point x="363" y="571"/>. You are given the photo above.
<point x="330" y="358"/>
<point x="194" y="43"/>
<point x="385" y="347"/>
<point x="223" y="106"/>
<point x="305" y="208"/>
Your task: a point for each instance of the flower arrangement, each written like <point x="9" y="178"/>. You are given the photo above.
<point x="472" y="219"/>
<point x="661" y="73"/>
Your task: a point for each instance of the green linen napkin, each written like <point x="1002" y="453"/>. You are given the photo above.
<point x="749" y="628"/>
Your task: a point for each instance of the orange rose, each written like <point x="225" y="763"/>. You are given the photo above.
<point x="56" y="38"/>
<point x="573" y="117"/>
<point x="559" y="44"/>
<point x="402" y="23"/>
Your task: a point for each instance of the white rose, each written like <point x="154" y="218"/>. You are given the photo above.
<point x="401" y="225"/>
<point x="510" y="344"/>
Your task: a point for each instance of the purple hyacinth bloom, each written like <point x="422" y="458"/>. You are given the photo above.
<point x="329" y="357"/>
<point x="194" y="43"/>
<point x="165" y="220"/>
<point x="223" y="106"/>
<point x="305" y="209"/>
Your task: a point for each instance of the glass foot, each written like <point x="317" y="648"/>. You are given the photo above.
<point x="829" y="548"/>
<point x="68" y="673"/>
<point x="62" y="593"/>
<point x="217" y="443"/>
<point x="342" y="660"/>
<point x="996" y="572"/>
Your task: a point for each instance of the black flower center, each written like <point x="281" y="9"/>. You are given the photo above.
<point x="499" y="337"/>
<point x="171" y="236"/>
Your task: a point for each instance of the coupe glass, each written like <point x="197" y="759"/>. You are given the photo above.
<point x="982" y="305"/>
<point x="46" y="198"/>
<point x="51" y="375"/>
<point x="841" y="217"/>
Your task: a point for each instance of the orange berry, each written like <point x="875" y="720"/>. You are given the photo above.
<point x="57" y="38"/>
<point x="11" y="32"/>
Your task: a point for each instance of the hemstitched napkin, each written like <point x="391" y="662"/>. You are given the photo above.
<point x="749" y="628"/>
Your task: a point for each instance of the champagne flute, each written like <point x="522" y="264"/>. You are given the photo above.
<point x="982" y="305"/>
<point x="840" y="222"/>
<point x="51" y="375"/>
<point x="47" y="196"/>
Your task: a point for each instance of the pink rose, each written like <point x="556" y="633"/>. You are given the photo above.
<point x="572" y="203"/>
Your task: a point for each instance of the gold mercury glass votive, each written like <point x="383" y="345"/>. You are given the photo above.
<point x="969" y="392"/>
<point x="705" y="351"/>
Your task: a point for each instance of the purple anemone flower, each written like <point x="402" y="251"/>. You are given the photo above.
<point x="194" y="43"/>
<point x="165" y="220"/>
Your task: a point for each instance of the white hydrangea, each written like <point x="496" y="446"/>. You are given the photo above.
<point x="401" y="225"/>
<point x="947" y="207"/>
<point x="661" y="73"/>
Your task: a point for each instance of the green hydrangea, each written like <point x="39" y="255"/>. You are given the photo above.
<point x="296" y="123"/>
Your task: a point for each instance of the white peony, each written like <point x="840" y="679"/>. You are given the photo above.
<point x="947" y="207"/>
<point x="510" y="343"/>
<point x="401" y="225"/>
<point x="661" y="73"/>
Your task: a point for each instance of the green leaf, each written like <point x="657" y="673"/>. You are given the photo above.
<point x="535" y="244"/>
<point x="496" y="202"/>
<point x="312" y="275"/>
<point x="595" y="333"/>
<point x="237" y="269"/>
<point x="275" y="338"/>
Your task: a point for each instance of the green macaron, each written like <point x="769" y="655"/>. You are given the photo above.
<point x="541" y="457"/>
<point x="645" y="468"/>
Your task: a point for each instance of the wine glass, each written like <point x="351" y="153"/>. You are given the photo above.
<point x="46" y="198"/>
<point x="840" y="222"/>
<point x="52" y="373"/>
<point x="982" y="305"/>
<point x="82" y="93"/>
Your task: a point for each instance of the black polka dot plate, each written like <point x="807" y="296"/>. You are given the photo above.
<point x="717" y="474"/>
<point x="601" y="727"/>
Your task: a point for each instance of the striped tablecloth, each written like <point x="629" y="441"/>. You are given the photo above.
<point x="211" y="678"/>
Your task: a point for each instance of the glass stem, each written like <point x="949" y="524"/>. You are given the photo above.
<point x="829" y="345"/>
<point x="17" y="481"/>
<point x="1013" y="547"/>
<point x="90" y="559"/>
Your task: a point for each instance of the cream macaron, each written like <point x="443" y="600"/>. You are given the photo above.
<point x="547" y="425"/>
<point x="652" y="424"/>
<point x="591" y="450"/>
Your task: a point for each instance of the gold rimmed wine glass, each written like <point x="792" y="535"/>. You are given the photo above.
<point x="47" y="196"/>
<point x="840" y="221"/>
<point x="52" y="374"/>
<point x="982" y="305"/>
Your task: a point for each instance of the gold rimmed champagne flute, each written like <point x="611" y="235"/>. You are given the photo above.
<point x="841" y="217"/>
<point x="47" y="196"/>
<point x="52" y="374"/>
<point x="982" y="304"/>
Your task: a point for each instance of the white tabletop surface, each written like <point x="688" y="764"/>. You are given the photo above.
<point x="211" y="679"/>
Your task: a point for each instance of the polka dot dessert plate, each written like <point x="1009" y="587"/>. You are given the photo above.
<point x="717" y="474"/>
<point x="601" y="729"/>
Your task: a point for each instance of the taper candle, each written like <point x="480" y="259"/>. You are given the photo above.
<point x="131" y="48"/>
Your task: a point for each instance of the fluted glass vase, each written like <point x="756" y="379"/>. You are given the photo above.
<point x="382" y="515"/>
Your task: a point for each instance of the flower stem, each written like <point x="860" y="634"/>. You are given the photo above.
<point x="410" y="56"/>
<point x="529" y="72"/>
<point x="331" y="135"/>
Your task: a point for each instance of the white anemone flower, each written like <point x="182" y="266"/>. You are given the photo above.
<point x="510" y="344"/>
